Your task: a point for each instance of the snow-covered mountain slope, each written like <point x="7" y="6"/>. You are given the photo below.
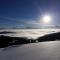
<point x="35" y="51"/>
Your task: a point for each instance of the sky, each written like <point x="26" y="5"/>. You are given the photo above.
<point x="28" y="13"/>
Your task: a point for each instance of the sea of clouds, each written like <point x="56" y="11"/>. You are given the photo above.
<point x="29" y="33"/>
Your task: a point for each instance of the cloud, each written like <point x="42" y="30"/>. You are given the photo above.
<point x="8" y="18"/>
<point x="32" y="22"/>
<point x="22" y="23"/>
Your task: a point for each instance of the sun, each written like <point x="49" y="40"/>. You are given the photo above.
<point x="46" y="19"/>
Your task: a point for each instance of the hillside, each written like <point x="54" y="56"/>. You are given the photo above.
<point x="35" y="51"/>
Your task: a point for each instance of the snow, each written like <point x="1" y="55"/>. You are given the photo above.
<point x="35" y="51"/>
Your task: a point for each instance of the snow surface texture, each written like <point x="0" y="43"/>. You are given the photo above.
<point x="29" y="33"/>
<point x="35" y="51"/>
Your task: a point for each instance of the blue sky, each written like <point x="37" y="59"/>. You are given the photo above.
<point x="27" y="13"/>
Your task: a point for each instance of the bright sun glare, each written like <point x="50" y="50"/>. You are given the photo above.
<point x="46" y="19"/>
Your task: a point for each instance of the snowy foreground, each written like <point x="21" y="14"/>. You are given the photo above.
<point x="35" y="51"/>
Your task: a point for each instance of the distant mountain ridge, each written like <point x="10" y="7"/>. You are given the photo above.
<point x="42" y="27"/>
